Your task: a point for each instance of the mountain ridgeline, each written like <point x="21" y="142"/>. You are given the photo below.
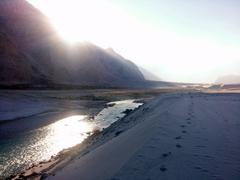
<point x="32" y="53"/>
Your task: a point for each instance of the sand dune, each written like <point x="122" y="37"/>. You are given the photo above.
<point x="179" y="136"/>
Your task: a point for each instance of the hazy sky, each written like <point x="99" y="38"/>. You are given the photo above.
<point x="188" y="40"/>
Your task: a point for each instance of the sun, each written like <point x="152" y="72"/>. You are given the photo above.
<point x="81" y="20"/>
<point x="68" y="17"/>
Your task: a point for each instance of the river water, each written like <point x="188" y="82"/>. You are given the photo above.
<point x="17" y="153"/>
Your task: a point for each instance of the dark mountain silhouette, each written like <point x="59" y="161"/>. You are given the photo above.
<point x="32" y="53"/>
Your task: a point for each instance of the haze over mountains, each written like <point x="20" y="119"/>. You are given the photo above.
<point x="148" y="75"/>
<point x="228" y="79"/>
<point x="31" y="52"/>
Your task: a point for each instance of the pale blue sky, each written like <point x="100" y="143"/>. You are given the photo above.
<point x="187" y="40"/>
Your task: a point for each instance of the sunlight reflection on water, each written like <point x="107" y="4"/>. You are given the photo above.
<point x="40" y="144"/>
<point x="114" y="112"/>
<point x="64" y="133"/>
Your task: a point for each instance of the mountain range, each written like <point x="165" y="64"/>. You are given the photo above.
<point x="32" y="53"/>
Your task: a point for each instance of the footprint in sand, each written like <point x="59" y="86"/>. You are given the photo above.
<point x="163" y="168"/>
<point x="184" y="131"/>
<point x="164" y="155"/>
<point x="205" y="170"/>
<point x="182" y="126"/>
<point x="140" y="155"/>
<point x="178" y="137"/>
<point x="197" y="167"/>
<point x="178" y="145"/>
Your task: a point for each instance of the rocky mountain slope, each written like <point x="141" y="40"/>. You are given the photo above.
<point x="32" y="53"/>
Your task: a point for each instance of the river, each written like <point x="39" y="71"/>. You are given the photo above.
<point x="30" y="147"/>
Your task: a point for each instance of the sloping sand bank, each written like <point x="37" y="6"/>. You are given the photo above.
<point x="179" y="136"/>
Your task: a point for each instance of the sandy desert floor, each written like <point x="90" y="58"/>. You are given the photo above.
<point x="176" y="136"/>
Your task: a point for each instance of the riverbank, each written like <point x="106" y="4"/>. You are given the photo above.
<point x="68" y="103"/>
<point x="177" y="136"/>
<point x="96" y="139"/>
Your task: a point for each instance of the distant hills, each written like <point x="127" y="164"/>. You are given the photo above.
<point x="32" y="53"/>
<point x="228" y="79"/>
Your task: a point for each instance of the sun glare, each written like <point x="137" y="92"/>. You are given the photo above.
<point x="68" y="132"/>
<point x="79" y="20"/>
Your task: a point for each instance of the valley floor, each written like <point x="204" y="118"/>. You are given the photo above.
<point x="178" y="136"/>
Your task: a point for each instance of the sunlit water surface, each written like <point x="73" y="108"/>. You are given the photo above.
<point x="40" y="144"/>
